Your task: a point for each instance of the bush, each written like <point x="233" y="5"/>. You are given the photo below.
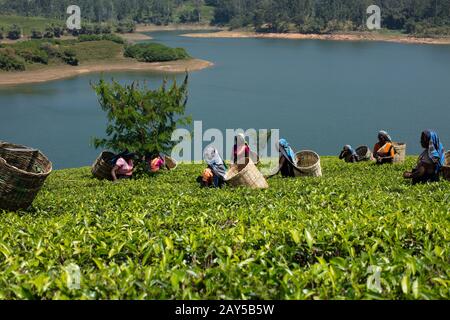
<point x="14" y="32"/>
<point x="69" y="57"/>
<point x="94" y="37"/>
<point x="51" y="49"/>
<point x="49" y="33"/>
<point x="36" y="34"/>
<point x="2" y="33"/>
<point x="58" y="31"/>
<point x="34" y="56"/>
<point x="106" y="29"/>
<point x="10" y="62"/>
<point x="155" y="52"/>
<point x="126" y="27"/>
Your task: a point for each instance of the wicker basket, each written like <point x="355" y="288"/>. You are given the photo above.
<point x="22" y="174"/>
<point x="171" y="164"/>
<point x="249" y="176"/>
<point x="307" y="164"/>
<point x="364" y="153"/>
<point x="101" y="169"/>
<point x="447" y="158"/>
<point x="400" y="152"/>
<point x="446" y="172"/>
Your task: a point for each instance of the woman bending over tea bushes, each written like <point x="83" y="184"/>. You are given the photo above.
<point x="383" y="150"/>
<point x="430" y="161"/>
<point x="123" y="166"/>
<point x="214" y="174"/>
<point x="349" y="154"/>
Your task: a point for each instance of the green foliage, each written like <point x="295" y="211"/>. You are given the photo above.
<point x="155" y="52"/>
<point x="2" y="33"/>
<point x="69" y="56"/>
<point x="163" y="237"/>
<point x="126" y="27"/>
<point x="27" y="23"/>
<point x="140" y="119"/>
<point x="36" y="34"/>
<point x="107" y="37"/>
<point x="34" y="56"/>
<point x="9" y="61"/>
<point x="14" y="32"/>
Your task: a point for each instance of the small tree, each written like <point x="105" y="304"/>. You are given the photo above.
<point x="140" y="119"/>
<point x="14" y="32"/>
<point x="49" y="33"/>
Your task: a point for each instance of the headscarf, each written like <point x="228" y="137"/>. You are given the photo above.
<point x="350" y="150"/>
<point x="214" y="161"/>
<point x="435" y="149"/>
<point x="286" y="149"/>
<point x="385" y="135"/>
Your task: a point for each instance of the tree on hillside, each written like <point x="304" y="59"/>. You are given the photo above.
<point x="140" y="119"/>
<point x="14" y="32"/>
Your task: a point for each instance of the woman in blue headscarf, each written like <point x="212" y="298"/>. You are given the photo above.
<point x="214" y="174"/>
<point x="287" y="159"/>
<point x="349" y="154"/>
<point x="430" y="161"/>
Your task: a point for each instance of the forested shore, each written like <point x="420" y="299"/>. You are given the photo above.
<point x="414" y="17"/>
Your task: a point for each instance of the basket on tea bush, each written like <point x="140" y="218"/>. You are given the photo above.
<point x="307" y="164"/>
<point x="249" y="176"/>
<point x="364" y="153"/>
<point x="447" y="158"/>
<point x="22" y="174"/>
<point x="400" y="152"/>
<point x="101" y="169"/>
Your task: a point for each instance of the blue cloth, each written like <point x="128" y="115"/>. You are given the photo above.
<point x="287" y="149"/>
<point x="350" y="150"/>
<point x="435" y="150"/>
<point x="215" y="162"/>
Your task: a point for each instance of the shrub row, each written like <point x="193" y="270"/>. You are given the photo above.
<point x="95" y="37"/>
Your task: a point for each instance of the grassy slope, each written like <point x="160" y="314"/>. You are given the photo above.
<point x="165" y="237"/>
<point x="26" y="23"/>
<point x="86" y="52"/>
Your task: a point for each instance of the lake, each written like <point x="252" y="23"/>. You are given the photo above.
<point x="320" y="94"/>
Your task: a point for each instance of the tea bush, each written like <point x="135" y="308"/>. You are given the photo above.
<point x="163" y="237"/>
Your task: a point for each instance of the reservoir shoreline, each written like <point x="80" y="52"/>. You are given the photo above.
<point x="62" y="72"/>
<point x="364" y="36"/>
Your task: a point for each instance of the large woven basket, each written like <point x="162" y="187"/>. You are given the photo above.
<point x="446" y="172"/>
<point x="249" y="176"/>
<point x="170" y="163"/>
<point x="400" y="152"/>
<point x="364" y="153"/>
<point x="22" y="174"/>
<point x="101" y="169"/>
<point x="447" y="158"/>
<point x="307" y="164"/>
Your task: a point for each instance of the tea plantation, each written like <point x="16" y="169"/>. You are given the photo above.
<point x="359" y="232"/>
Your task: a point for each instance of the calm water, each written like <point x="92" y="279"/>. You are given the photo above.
<point x="321" y="95"/>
